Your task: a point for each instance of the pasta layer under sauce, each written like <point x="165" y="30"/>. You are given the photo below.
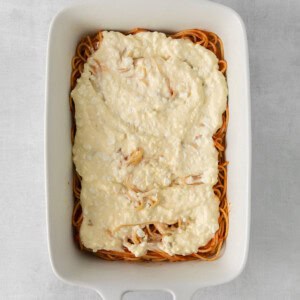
<point x="147" y="107"/>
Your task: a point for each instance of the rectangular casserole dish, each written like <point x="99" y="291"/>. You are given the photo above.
<point x="112" y="279"/>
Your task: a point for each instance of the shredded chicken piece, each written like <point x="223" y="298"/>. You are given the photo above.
<point x="135" y="157"/>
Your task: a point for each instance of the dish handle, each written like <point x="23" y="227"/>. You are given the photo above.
<point x="111" y="293"/>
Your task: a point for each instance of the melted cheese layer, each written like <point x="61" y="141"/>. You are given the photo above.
<point x="147" y="107"/>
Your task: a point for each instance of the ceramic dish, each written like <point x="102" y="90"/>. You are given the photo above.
<point x="112" y="279"/>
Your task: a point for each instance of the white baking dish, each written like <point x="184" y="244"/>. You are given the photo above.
<point x="112" y="279"/>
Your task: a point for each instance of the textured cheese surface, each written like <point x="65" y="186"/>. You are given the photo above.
<point x="147" y="107"/>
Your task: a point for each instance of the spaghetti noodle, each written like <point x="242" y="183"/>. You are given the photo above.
<point x="211" y="250"/>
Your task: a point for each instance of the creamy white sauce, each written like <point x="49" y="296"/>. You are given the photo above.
<point x="166" y="97"/>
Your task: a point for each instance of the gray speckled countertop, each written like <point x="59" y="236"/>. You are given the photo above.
<point x="273" y="268"/>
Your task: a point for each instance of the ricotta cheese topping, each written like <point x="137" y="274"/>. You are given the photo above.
<point x="147" y="107"/>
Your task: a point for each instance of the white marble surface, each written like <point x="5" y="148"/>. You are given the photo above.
<point x="273" y="268"/>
